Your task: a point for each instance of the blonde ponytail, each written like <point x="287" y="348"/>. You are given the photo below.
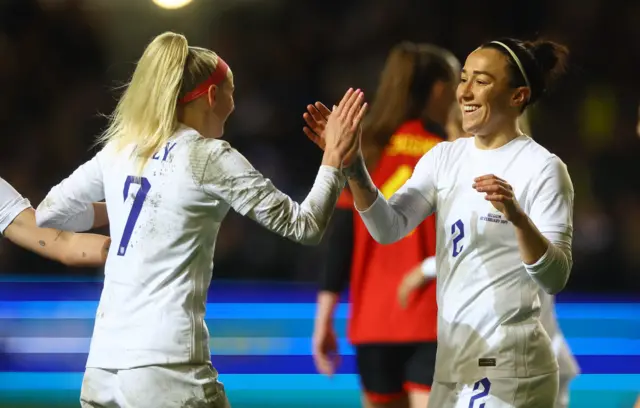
<point x="146" y="113"/>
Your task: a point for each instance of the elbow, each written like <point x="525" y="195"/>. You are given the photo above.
<point x="45" y="216"/>
<point x="555" y="280"/>
<point x="44" y="219"/>
<point x="553" y="290"/>
<point x="559" y="285"/>
<point x="313" y="239"/>
<point x="383" y="240"/>
<point x="552" y="271"/>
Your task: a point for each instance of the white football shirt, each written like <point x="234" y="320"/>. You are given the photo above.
<point x="566" y="361"/>
<point x="488" y="301"/>
<point x="163" y="229"/>
<point x="11" y="204"/>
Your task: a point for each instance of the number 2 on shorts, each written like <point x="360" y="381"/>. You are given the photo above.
<point x="136" y="207"/>
<point x="486" y="385"/>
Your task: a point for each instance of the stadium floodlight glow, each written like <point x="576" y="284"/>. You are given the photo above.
<point x="171" y="4"/>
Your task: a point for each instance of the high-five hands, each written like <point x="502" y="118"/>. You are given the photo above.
<point x="339" y="130"/>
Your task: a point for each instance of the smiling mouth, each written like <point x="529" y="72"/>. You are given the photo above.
<point x="470" y="108"/>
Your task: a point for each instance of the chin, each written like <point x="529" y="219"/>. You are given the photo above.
<point x="470" y="129"/>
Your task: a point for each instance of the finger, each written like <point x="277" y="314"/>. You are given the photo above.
<point x="488" y="177"/>
<point x="493" y="188"/>
<point x="312" y="136"/>
<point x="498" y="198"/>
<point x="344" y="100"/>
<point x="324" y="111"/>
<point x="484" y="177"/>
<point x="357" y="122"/>
<point x="492" y="182"/>
<point x="354" y="108"/>
<point x="335" y="362"/>
<point x="322" y="364"/>
<point x="316" y="115"/>
<point x="313" y="123"/>
<point x="346" y="108"/>
<point x="327" y="365"/>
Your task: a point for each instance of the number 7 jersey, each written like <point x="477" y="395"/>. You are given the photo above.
<point x="164" y="224"/>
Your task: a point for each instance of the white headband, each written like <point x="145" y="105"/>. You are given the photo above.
<point x="516" y="59"/>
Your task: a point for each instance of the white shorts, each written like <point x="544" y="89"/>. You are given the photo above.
<point x="173" y="386"/>
<point x="532" y="392"/>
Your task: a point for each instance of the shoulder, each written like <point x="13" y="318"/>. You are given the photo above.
<point x="214" y="160"/>
<point x="540" y="159"/>
<point x="548" y="169"/>
<point x="555" y="173"/>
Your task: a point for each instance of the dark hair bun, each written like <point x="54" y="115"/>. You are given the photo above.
<point x="551" y="57"/>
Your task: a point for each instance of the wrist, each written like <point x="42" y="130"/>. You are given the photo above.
<point x="331" y="158"/>
<point x="351" y="170"/>
<point x="520" y="221"/>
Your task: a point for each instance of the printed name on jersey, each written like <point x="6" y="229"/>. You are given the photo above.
<point x="410" y="145"/>
<point x="165" y="151"/>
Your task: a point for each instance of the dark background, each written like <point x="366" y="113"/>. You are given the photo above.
<point x="60" y="62"/>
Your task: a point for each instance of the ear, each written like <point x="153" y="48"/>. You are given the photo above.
<point x="520" y="96"/>
<point x="211" y="95"/>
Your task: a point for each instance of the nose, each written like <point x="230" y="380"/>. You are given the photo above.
<point x="466" y="90"/>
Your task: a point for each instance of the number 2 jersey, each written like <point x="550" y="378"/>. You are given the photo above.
<point x="163" y="228"/>
<point x="488" y="300"/>
<point x="374" y="271"/>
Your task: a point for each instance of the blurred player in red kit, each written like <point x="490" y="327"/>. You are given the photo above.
<point x="395" y="347"/>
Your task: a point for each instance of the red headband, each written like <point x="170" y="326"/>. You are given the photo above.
<point x="218" y="75"/>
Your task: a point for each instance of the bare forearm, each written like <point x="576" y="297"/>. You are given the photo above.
<point x="86" y="249"/>
<point x="65" y="247"/>
<point x="327" y="303"/>
<point x="362" y="188"/>
<point x="532" y="244"/>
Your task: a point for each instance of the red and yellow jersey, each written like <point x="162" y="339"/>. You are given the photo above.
<point x="377" y="270"/>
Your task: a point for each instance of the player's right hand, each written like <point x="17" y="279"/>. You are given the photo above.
<point x="339" y="130"/>
<point x="411" y="281"/>
<point x="325" y="349"/>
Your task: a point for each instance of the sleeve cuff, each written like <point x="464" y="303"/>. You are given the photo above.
<point x="428" y="267"/>
<point x="371" y="208"/>
<point x="20" y="204"/>
<point x="540" y="263"/>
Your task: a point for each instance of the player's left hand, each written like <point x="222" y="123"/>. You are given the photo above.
<point x="500" y="194"/>
<point x="317" y="117"/>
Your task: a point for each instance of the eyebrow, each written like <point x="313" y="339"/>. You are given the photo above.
<point x="476" y="72"/>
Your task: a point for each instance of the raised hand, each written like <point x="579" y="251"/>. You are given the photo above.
<point x="316" y="118"/>
<point x="500" y="194"/>
<point x="338" y="131"/>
